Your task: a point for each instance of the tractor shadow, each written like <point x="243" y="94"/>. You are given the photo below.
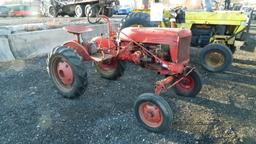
<point x="249" y="44"/>
<point x="243" y="116"/>
<point x="226" y="109"/>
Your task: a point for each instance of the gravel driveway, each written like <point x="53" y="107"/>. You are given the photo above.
<point x="32" y="111"/>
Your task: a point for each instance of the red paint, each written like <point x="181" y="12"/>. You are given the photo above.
<point x="154" y="35"/>
<point x="161" y="85"/>
<point x="104" y="43"/>
<point x="65" y="73"/>
<point x="18" y="13"/>
<point x="80" y="49"/>
<point x="132" y="46"/>
<point x="150" y="114"/>
<point x="186" y="85"/>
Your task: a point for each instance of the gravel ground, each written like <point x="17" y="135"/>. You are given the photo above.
<point x="32" y="111"/>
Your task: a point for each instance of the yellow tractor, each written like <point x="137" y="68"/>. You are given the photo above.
<point x="213" y="31"/>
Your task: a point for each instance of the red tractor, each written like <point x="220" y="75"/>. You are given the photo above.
<point x="163" y="50"/>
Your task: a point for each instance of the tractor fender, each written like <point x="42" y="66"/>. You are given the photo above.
<point x="80" y="49"/>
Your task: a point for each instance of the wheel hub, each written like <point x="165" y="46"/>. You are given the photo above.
<point x="65" y="73"/>
<point x="150" y="114"/>
<point x="215" y="59"/>
<point x="186" y="84"/>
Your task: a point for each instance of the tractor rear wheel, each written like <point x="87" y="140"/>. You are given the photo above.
<point x="153" y="112"/>
<point x="216" y="57"/>
<point x="190" y="85"/>
<point x="67" y="71"/>
<point x="135" y="19"/>
<point x="110" y="69"/>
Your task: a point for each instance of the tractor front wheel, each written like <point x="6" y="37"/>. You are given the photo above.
<point x="67" y="71"/>
<point x="153" y="112"/>
<point x="190" y="85"/>
<point x="111" y="69"/>
<point x="216" y="57"/>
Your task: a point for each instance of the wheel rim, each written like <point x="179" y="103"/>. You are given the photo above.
<point x="78" y="11"/>
<point x="93" y="15"/>
<point x="87" y="11"/>
<point x="186" y="85"/>
<point x="150" y="114"/>
<point x="62" y="73"/>
<point x="215" y="59"/>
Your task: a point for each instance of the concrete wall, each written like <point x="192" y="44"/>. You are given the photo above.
<point x="5" y="51"/>
<point x="30" y="44"/>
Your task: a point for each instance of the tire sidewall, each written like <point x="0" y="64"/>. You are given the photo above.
<point x="93" y="11"/>
<point x="78" y="85"/>
<point x="228" y="58"/>
<point x="80" y="7"/>
<point x="161" y="104"/>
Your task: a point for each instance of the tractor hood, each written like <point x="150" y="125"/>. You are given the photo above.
<point x="154" y="35"/>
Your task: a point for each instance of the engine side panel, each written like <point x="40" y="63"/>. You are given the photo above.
<point x="178" y="40"/>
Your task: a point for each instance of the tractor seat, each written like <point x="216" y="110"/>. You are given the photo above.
<point x="77" y="29"/>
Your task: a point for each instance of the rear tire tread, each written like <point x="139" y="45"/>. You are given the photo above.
<point x="78" y="68"/>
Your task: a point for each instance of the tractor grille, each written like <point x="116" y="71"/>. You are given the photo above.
<point x="183" y="49"/>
